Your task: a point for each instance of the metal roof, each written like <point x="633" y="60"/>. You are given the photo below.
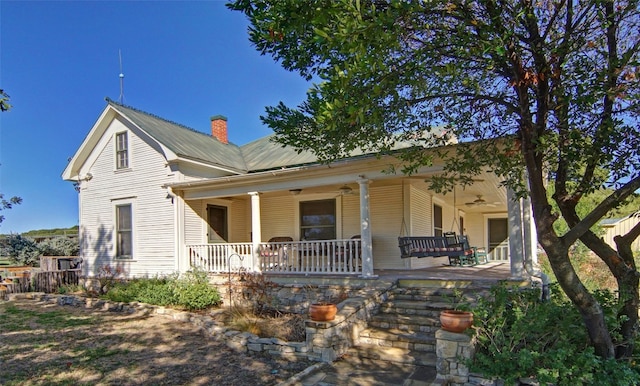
<point x="184" y="141"/>
<point x="264" y="154"/>
<point x="260" y="155"/>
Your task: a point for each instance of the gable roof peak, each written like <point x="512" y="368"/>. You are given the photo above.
<point x="137" y="110"/>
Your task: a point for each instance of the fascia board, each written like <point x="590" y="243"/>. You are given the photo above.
<point x="72" y="170"/>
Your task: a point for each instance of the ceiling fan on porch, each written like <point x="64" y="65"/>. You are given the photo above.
<point x="479" y="202"/>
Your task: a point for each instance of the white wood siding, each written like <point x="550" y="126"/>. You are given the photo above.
<point x="421" y="209"/>
<point x="386" y="220"/>
<point x="350" y="215"/>
<point x="240" y="229"/>
<point x="278" y="217"/>
<point x="141" y="185"/>
<point x="193" y="222"/>
<point x="621" y="228"/>
<point x="476" y="225"/>
<point x="421" y="212"/>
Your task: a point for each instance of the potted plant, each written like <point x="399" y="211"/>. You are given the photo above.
<point x="323" y="310"/>
<point x="459" y="318"/>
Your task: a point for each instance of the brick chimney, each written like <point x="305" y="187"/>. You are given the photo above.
<point x="219" y="128"/>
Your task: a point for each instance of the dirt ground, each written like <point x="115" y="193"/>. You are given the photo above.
<point x="43" y="344"/>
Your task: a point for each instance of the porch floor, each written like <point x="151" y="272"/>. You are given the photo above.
<point x="495" y="270"/>
<point x="490" y="272"/>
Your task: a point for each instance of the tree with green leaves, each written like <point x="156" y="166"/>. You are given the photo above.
<point x="4" y="101"/>
<point x="6" y="203"/>
<point x="549" y="88"/>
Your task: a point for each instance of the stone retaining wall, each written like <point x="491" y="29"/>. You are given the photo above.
<point x="453" y="350"/>
<point x="325" y="341"/>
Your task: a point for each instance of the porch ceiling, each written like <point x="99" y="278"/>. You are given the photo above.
<point x="486" y="187"/>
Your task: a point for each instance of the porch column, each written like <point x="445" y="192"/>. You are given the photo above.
<point x="182" y="263"/>
<point x="256" y="229"/>
<point x="183" y="257"/>
<point x="529" y="233"/>
<point x="365" y="229"/>
<point x="516" y="244"/>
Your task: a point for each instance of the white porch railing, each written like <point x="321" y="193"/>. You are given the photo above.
<point x="319" y="256"/>
<point x="342" y="257"/>
<point x="221" y="257"/>
<point x="499" y="252"/>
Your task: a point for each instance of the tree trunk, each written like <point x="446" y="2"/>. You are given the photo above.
<point x="628" y="297"/>
<point x="622" y="266"/>
<point x="587" y="305"/>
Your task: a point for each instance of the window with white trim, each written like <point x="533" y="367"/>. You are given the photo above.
<point x="122" y="150"/>
<point x="318" y="220"/>
<point x="124" y="231"/>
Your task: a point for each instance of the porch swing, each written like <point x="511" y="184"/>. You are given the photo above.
<point x="455" y="247"/>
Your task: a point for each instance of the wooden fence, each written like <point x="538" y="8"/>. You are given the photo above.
<point x="39" y="281"/>
<point x="50" y="281"/>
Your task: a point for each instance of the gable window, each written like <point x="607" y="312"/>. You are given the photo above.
<point x="318" y="220"/>
<point x="124" y="232"/>
<point x="437" y="220"/>
<point x="122" y="151"/>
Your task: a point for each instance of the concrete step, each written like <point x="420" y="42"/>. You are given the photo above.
<point x="394" y="354"/>
<point x="384" y="338"/>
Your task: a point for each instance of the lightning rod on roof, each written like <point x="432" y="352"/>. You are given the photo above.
<point x="121" y="98"/>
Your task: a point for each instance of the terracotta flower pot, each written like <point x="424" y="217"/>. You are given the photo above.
<point x="456" y="321"/>
<point x="322" y="312"/>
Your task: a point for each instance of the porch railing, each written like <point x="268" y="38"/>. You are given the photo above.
<point x="499" y="252"/>
<point x="221" y="257"/>
<point x="342" y="257"/>
<point x="310" y="257"/>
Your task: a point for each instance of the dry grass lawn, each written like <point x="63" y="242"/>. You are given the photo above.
<point x="44" y="344"/>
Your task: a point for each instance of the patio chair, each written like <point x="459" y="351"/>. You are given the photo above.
<point x="274" y="254"/>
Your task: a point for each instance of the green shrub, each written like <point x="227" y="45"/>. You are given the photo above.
<point x="60" y="246"/>
<point x="520" y="336"/>
<point x="21" y="250"/>
<point x="158" y="291"/>
<point x="194" y="292"/>
<point x="191" y="291"/>
<point x="108" y="277"/>
<point x="121" y="292"/>
<point x="197" y="296"/>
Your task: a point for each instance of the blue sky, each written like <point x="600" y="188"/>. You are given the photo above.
<point x="184" y="61"/>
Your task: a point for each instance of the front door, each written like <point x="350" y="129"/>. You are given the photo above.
<point x="498" y="239"/>
<point x="217" y="231"/>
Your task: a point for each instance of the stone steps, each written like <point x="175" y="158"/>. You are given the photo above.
<point x="394" y="354"/>
<point x="407" y="323"/>
<point x="412" y="307"/>
<point x="404" y="328"/>
<point x="384" y="338"/>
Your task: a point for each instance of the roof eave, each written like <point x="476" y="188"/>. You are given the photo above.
<point x="72" y="169"/>
<point x="200" y="162"/>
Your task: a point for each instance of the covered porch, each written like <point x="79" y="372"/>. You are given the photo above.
<point x="343" y="220"/>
